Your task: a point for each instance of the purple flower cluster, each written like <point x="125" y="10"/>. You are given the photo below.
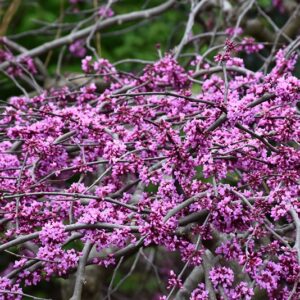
<point x="77" y="48"/>
<point x="221" y="276"/>
<point x="199" y="293"/>
<point x="9" y="290"/>
<point x="249" y="45"/>
<point x="17" y="66"/>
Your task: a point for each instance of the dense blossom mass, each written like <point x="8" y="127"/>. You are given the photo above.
<point x="148" y="162"/>
<point x="198" y="158"/>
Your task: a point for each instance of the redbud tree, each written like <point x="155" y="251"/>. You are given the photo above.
<point x="183" y="171"/>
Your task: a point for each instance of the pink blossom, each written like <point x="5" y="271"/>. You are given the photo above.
<point x="77" y="48"/>
<point x="221" y="276"/>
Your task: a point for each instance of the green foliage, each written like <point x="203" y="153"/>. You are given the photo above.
<point x="265" y="3"/>
<point x="151" y="188"/>
<point x="134" y="44"/>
